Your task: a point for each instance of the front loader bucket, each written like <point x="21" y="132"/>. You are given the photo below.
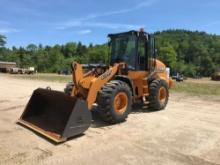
<point x="56" y="115"/>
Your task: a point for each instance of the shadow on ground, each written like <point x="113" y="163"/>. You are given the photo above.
<point x="97" y="122"/>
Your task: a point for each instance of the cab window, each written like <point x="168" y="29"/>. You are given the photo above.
<point x="142" y="53"/>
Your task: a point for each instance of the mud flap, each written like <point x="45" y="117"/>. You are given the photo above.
<point x="56" y="115"/>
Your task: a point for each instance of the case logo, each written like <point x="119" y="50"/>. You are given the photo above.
<point x="106" y="74"/>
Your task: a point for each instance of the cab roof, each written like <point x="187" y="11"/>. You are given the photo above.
<point x="132" y="32"/>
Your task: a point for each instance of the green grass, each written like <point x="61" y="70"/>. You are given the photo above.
<point x="192" y="88"/>
<point x="46" y="77"/>
<point x="198" y="89"/>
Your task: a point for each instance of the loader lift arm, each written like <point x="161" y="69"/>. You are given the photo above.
<point x="89" y="84"/>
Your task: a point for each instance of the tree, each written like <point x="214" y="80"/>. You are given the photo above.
<point x="70" y="49"/>
<point x="2" y="40"/>
<point x="98" y="54"/>
<point x="187" y="52"/>
<point x="196" y="52"/>
<point x="2" y="44"/>
<point x="190" y="70"/>
<point x="31" y="48"/>
<point x="55" y="59"/>
<point x="81" y="49"/>
<point x="167" y="54"/>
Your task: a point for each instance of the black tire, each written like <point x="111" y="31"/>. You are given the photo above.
<point x="68" y="89"/>
<point x="154" y="98"/>
<point x="106" y="100"/>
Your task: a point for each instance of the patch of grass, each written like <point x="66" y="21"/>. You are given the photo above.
<point x="197" y="88"/>
<point x="193" y="88"/>
<point x="46" y="77"/>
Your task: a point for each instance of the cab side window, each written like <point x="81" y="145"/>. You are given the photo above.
<point x="142" y="54"/>
<point x="151" y="54"/>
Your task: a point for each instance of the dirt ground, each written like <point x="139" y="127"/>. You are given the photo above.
<point x="186" y="132"/>
<point x="206" y="80"/>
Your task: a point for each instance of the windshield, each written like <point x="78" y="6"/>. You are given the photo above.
<point x="123" y="49"/>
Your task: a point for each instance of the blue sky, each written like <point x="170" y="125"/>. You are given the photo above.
<point x="60" y="21"/>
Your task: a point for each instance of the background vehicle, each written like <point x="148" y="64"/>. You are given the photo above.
<point x="133" y="75"/>
<point x="5" y="66"/>
<point x="17" y="70"/>
<point x="30" y="70"/>
<point x="178" y="77"/>
<point x="216" y="75"/>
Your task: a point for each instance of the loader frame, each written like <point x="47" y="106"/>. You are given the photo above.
<point x="113" y="87"/>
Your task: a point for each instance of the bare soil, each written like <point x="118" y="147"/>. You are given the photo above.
<point x="186" y="132"/>
<point x="204" y="80"/>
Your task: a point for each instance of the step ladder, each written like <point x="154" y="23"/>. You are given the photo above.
<point x="145" y="91"/>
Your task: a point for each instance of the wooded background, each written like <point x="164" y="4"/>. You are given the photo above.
<point x="191" y="53"/>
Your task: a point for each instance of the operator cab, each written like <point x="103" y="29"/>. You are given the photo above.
<point x="135" y="48"/>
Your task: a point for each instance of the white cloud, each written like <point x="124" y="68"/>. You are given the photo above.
<point x="22" y="7"/>
<point x="69" y="24"/>
<point x="87" y="31"/>
<point x="6" y="27"/>
<point x="111" y="25"/>
<point x="98" y="25"/>
<point x="8" y="30"/>
<point x="83" y="22"/>
<point x="143" y="4"/>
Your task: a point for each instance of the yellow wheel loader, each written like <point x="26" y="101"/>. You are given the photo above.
<point x="132" y="75"/>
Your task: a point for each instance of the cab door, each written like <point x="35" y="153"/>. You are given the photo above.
<point x="142" y="53"/>
<point x="151" y="53"/>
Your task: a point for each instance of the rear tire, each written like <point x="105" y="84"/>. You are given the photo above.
<point x="159" y="94"/>
<point x="114" y="101"/>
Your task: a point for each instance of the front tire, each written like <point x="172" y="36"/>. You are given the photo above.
<point x="114" y="101"/>
<point x="68" y="89"/>
<point x="159" y="94"/>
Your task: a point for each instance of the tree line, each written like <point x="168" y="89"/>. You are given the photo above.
<point x="190" y="53"/>
<point x="54" y="58"/>
<point x="187" y="52"/>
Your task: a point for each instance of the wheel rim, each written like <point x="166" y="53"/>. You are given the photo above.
<point x="121" y="102"/>
<point x="162" y="94"/>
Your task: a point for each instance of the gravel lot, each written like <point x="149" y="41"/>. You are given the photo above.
<point x="186" y="132"/>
